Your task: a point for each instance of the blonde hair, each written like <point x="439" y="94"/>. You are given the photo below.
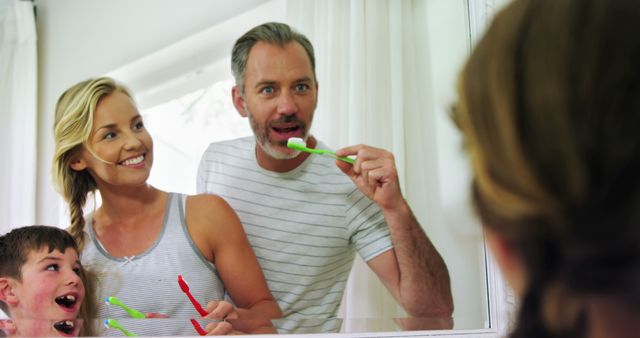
<point x="549" y="108"/>
<point x="89" y="309"/>
<point x="71" y="129"/>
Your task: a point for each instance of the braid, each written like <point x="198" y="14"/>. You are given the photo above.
<point x="89" y="308"/>
<point x="77" y="220"/>
<point x="82" y="184"/>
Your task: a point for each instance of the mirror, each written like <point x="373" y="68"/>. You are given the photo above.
<point x="165" y="48"/>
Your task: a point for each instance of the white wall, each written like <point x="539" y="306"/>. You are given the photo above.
<point x="78" y="39"/>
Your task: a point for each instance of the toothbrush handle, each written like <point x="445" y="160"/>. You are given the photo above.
<point x="198" y="328"/>
<point x="197" y="305"/>
<point x="136" y="314"/>
<point x="128" y="334"/>
<point x="346" y="159"/>
<point x="341" y="158"/>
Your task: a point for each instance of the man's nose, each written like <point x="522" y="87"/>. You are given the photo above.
<point x="287" y="104"/>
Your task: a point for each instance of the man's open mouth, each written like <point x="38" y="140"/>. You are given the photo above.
<point x="286" y="129"/>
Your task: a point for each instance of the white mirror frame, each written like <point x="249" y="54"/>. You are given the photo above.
<point x="501" y="300"/>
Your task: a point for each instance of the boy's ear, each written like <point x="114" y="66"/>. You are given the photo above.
<point x="7" y="293"/>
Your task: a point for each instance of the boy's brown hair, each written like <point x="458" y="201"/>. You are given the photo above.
<point x="15" y="247"/>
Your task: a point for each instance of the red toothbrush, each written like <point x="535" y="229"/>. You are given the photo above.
<point x="185" y="288"/>
<point x="198" y="327"/>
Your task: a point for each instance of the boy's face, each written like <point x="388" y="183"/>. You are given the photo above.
<point x="49" y="295"/>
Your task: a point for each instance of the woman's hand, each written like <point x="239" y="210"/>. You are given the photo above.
<point x="220" y="312"/>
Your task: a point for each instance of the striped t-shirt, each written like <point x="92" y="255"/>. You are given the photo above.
<point x="304" y="226"/>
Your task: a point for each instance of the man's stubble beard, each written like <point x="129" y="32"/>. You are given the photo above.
<point x="263" y="140"/>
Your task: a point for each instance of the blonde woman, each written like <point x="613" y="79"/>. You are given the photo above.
<point x="550" y="109"/>
<point x="141" y="238"/>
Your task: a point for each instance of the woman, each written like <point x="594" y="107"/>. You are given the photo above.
<point x="549" y="108"/>
<point x="141" y="238"/>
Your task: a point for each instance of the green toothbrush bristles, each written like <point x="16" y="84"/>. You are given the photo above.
<point x="297" y="143"/>
<point x="133" y="313"/>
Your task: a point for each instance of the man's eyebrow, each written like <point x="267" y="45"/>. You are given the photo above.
<point x="303" y="79"/>
<point x="264" y="82"/>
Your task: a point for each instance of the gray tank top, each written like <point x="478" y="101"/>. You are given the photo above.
<point x="148" y="282"/>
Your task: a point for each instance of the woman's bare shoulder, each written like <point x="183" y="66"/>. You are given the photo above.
<point x="210" y="207"/>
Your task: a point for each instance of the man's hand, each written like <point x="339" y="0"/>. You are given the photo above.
<point x="374" y="173"/>
<point x="413" y="271"/>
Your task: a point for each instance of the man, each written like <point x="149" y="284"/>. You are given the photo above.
<point x="304" y="217"/>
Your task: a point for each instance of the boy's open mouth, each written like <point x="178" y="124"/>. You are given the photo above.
<point x="66" y="327"/>
<point x="67" y="301"/>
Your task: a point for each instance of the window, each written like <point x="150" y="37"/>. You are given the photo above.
<point x="183" y="127"/>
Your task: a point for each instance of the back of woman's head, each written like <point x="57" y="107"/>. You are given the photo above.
<point x="549" y="107"/>
<point x="72" y="127"/>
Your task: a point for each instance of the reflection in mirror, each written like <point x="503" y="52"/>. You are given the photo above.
<point x="386" y="71"/>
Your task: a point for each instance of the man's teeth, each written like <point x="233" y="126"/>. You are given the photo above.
<point x="133" y="161"/>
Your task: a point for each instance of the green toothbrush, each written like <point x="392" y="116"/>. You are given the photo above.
<point x="133" y="313"/>
<point x="299" y="144"/>
<point x="112" y="323"/>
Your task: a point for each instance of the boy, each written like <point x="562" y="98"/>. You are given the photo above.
<point x="42" y="284"/>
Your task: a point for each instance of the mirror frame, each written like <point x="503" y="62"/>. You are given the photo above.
<point x="501" y="299"/>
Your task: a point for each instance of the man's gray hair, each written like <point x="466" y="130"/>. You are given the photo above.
<point x="270" y="32"/>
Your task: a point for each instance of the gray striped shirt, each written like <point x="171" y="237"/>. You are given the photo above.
<point x="304" y="225"/>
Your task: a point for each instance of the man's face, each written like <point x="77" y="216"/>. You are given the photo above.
<point x="48" y="298"/>
<point x="280" y="96"/>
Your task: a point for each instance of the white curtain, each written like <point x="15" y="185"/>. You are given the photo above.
<point x="18" y="126"/>
<point x="372" y="87"/>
